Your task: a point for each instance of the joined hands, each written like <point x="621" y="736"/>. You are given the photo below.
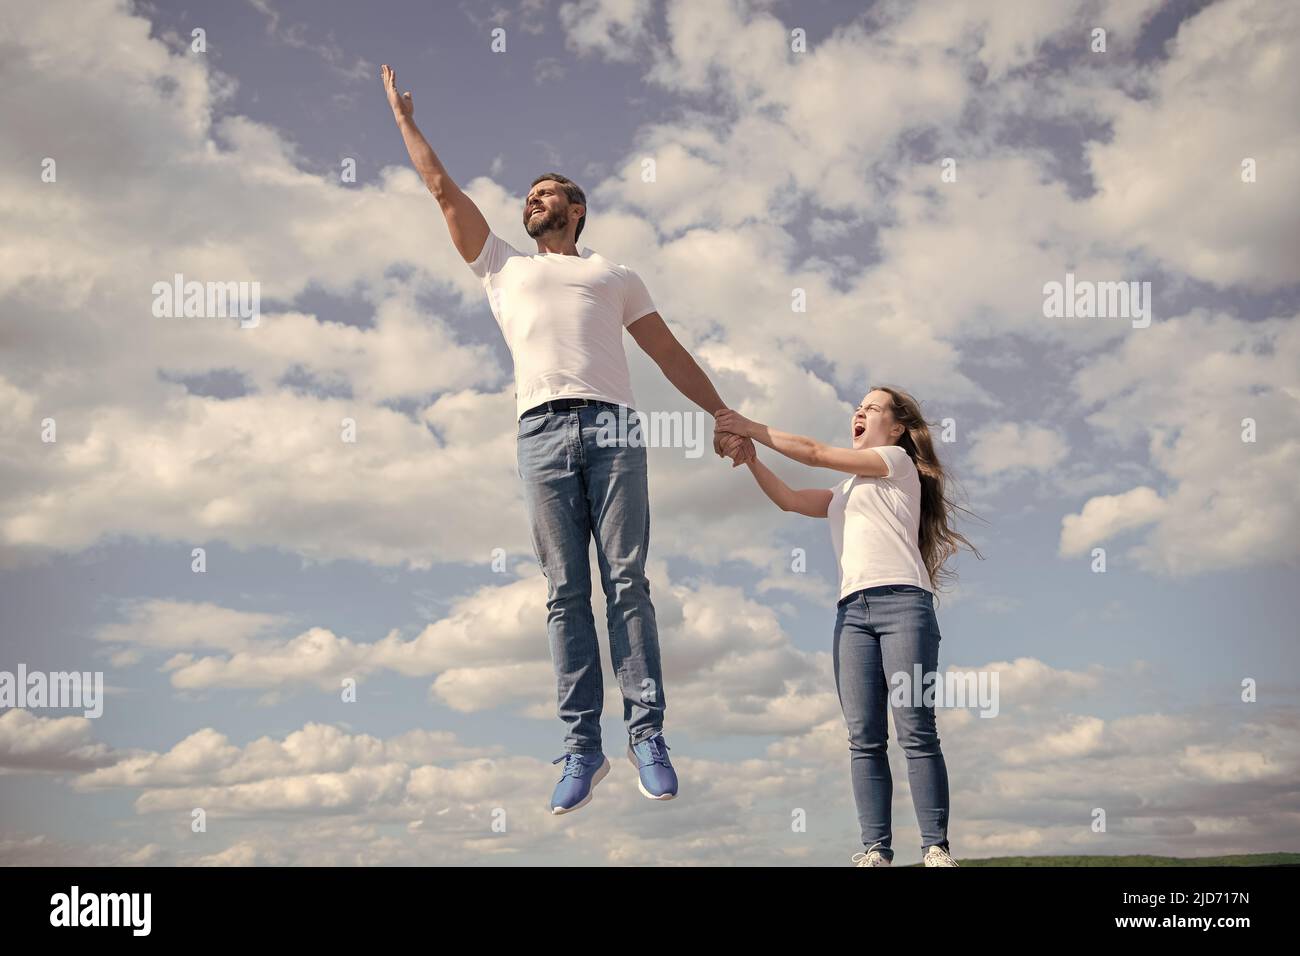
<point x="732" y="437"/>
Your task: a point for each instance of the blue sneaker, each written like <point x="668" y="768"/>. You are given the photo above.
<point x="581" y="774"/>
<point x="658" y="778"/>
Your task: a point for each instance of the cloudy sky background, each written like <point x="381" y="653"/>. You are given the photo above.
<point x="775" y="170"/>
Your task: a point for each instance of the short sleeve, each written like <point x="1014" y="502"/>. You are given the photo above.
<point x="492" y="258"/>
<point x="896" y="458"/>
<point x="636" y="298"/>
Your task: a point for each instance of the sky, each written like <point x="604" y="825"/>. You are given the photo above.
<point x="1132" y="482"/>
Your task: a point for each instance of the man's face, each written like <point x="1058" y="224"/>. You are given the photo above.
<point x="546" y="209"/>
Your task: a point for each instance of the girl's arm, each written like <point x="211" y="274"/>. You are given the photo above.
<point x="807" y="451"/>
<point x="812" y="502"/>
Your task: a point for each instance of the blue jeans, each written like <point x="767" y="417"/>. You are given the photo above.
<point x="576" y="490"/>
<point x="879" y="632"/>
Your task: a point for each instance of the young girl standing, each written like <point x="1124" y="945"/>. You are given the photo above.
<point x="889" y="526"/>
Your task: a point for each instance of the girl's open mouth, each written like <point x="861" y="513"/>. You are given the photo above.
<point x="858" y="429"/>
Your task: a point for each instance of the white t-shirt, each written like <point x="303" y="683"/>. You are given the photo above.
<point x="875" y="526"/>
<point x="563" y="319"/>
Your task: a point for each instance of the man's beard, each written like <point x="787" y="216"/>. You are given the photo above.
<point x="548" y="221"/>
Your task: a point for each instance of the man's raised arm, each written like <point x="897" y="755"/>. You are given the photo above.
<point x="469" y="230"/>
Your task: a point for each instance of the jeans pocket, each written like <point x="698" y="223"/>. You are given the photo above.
<point x="531" y="425"/>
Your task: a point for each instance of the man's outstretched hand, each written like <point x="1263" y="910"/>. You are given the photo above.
<point x="402" y="104"/>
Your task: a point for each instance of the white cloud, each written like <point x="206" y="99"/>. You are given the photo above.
<point x="1185" y="388"/>
<point x="29" y="743"/>
<point x="208" y="757"/>
<point x="1016" y="447"/>
<point x="1170" y="177"/>
<point x="711" y="637"/>
<point x="164" y="625"/>
<point x="137" y="454"/>
<point x="284" y="477"/>
<point x="1081" y="737"/>
<point x="324" y="796"/>
<point x="139" y="461"/>
<point x="611" y="27"/>
<point x="41" y="850"/>
<point x="1107" y="515"/>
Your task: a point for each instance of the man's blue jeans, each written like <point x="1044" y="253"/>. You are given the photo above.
<point x="576" y="490"/>
<point x="880" y="632"/>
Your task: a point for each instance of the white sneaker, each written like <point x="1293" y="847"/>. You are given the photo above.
<point x="938" y="856"/>
<point x="872" y="857"/>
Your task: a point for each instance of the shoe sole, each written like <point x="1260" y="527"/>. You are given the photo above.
<point x="631" y="758"/>
<point x="601" y="772"/>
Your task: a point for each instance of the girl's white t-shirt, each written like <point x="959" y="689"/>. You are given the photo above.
<point x="875" y="526"/>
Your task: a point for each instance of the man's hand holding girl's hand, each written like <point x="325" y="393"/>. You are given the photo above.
<point x="730" y="440"/>
<point x="730" y="420"/>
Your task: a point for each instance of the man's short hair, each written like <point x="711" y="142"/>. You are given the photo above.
<point x="573" y="191"/>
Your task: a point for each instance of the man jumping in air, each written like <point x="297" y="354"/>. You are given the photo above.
<point x="562" y="312"/>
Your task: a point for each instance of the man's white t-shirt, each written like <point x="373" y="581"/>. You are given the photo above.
<point x="875" y="526"/>
<point x="563" y="319"/>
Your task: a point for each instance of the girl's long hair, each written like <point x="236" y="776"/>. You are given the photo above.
<point x="938" y="541"/>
